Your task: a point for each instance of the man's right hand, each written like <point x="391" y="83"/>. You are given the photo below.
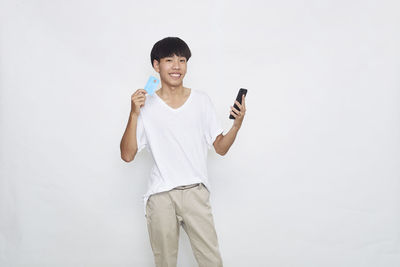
<point x="137" y="101"/>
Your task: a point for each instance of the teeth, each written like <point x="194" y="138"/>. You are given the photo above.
<point x="175" y="75"/>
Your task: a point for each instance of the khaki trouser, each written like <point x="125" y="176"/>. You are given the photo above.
<point x="188" y="206"/>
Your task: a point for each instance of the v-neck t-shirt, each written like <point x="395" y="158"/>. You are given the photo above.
<point x="178" y="140"/>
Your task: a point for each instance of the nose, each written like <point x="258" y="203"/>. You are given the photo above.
<point x="175" y="64"/>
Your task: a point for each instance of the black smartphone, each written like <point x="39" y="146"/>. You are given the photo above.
<point x="241" y="92"/>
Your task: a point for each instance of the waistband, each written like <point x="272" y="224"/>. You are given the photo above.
<point x="187" y="186"/>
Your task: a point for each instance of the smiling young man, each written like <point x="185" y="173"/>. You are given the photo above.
<point x="178" y="126"/>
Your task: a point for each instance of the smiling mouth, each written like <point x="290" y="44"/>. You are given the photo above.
<point x="175" y="75"/>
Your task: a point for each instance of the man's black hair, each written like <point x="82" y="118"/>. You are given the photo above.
<point x="168" y="47"/>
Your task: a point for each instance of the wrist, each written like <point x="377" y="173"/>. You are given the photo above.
<point x="236" y="127"/>
<point x="133" y="114"/>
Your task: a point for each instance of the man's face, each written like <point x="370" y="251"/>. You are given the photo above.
<point x="172" y="70"/>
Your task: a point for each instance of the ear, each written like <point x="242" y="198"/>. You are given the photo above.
<point x="156" y="65"/>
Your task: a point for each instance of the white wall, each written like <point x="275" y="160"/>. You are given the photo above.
<point x="313" y="178"/>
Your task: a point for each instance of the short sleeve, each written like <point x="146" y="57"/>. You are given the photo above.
<point x="212" y="124"/>
<point x="141" y="138"/>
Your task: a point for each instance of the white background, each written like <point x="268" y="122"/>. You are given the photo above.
<point x="313" y="178"/>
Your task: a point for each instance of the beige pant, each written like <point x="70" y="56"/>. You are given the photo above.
<point x="188" y="206"/>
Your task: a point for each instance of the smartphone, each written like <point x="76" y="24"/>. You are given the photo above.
<point x="241" y="92"/>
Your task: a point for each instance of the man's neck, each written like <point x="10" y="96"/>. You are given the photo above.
<point x="172" y="92"/>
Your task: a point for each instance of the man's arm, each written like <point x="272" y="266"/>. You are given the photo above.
<point x="128" y="143"/>
<point x="223" y="142"/>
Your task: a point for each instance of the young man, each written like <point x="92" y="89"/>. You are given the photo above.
<point x="178" y="125"/>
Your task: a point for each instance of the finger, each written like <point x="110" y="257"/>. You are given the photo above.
<point x="235" y="110"/>
<point x="243" y="101"/>
<point x="233" y="114"/>
<point x="139" y="101"/>
<point x="140" y="91"/>
<point x="238" y="104"/>
<point x="136" y="95"/>
<point x="140" y="97"/>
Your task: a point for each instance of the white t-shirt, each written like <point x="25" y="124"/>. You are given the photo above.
<point x="178" y="140"/>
